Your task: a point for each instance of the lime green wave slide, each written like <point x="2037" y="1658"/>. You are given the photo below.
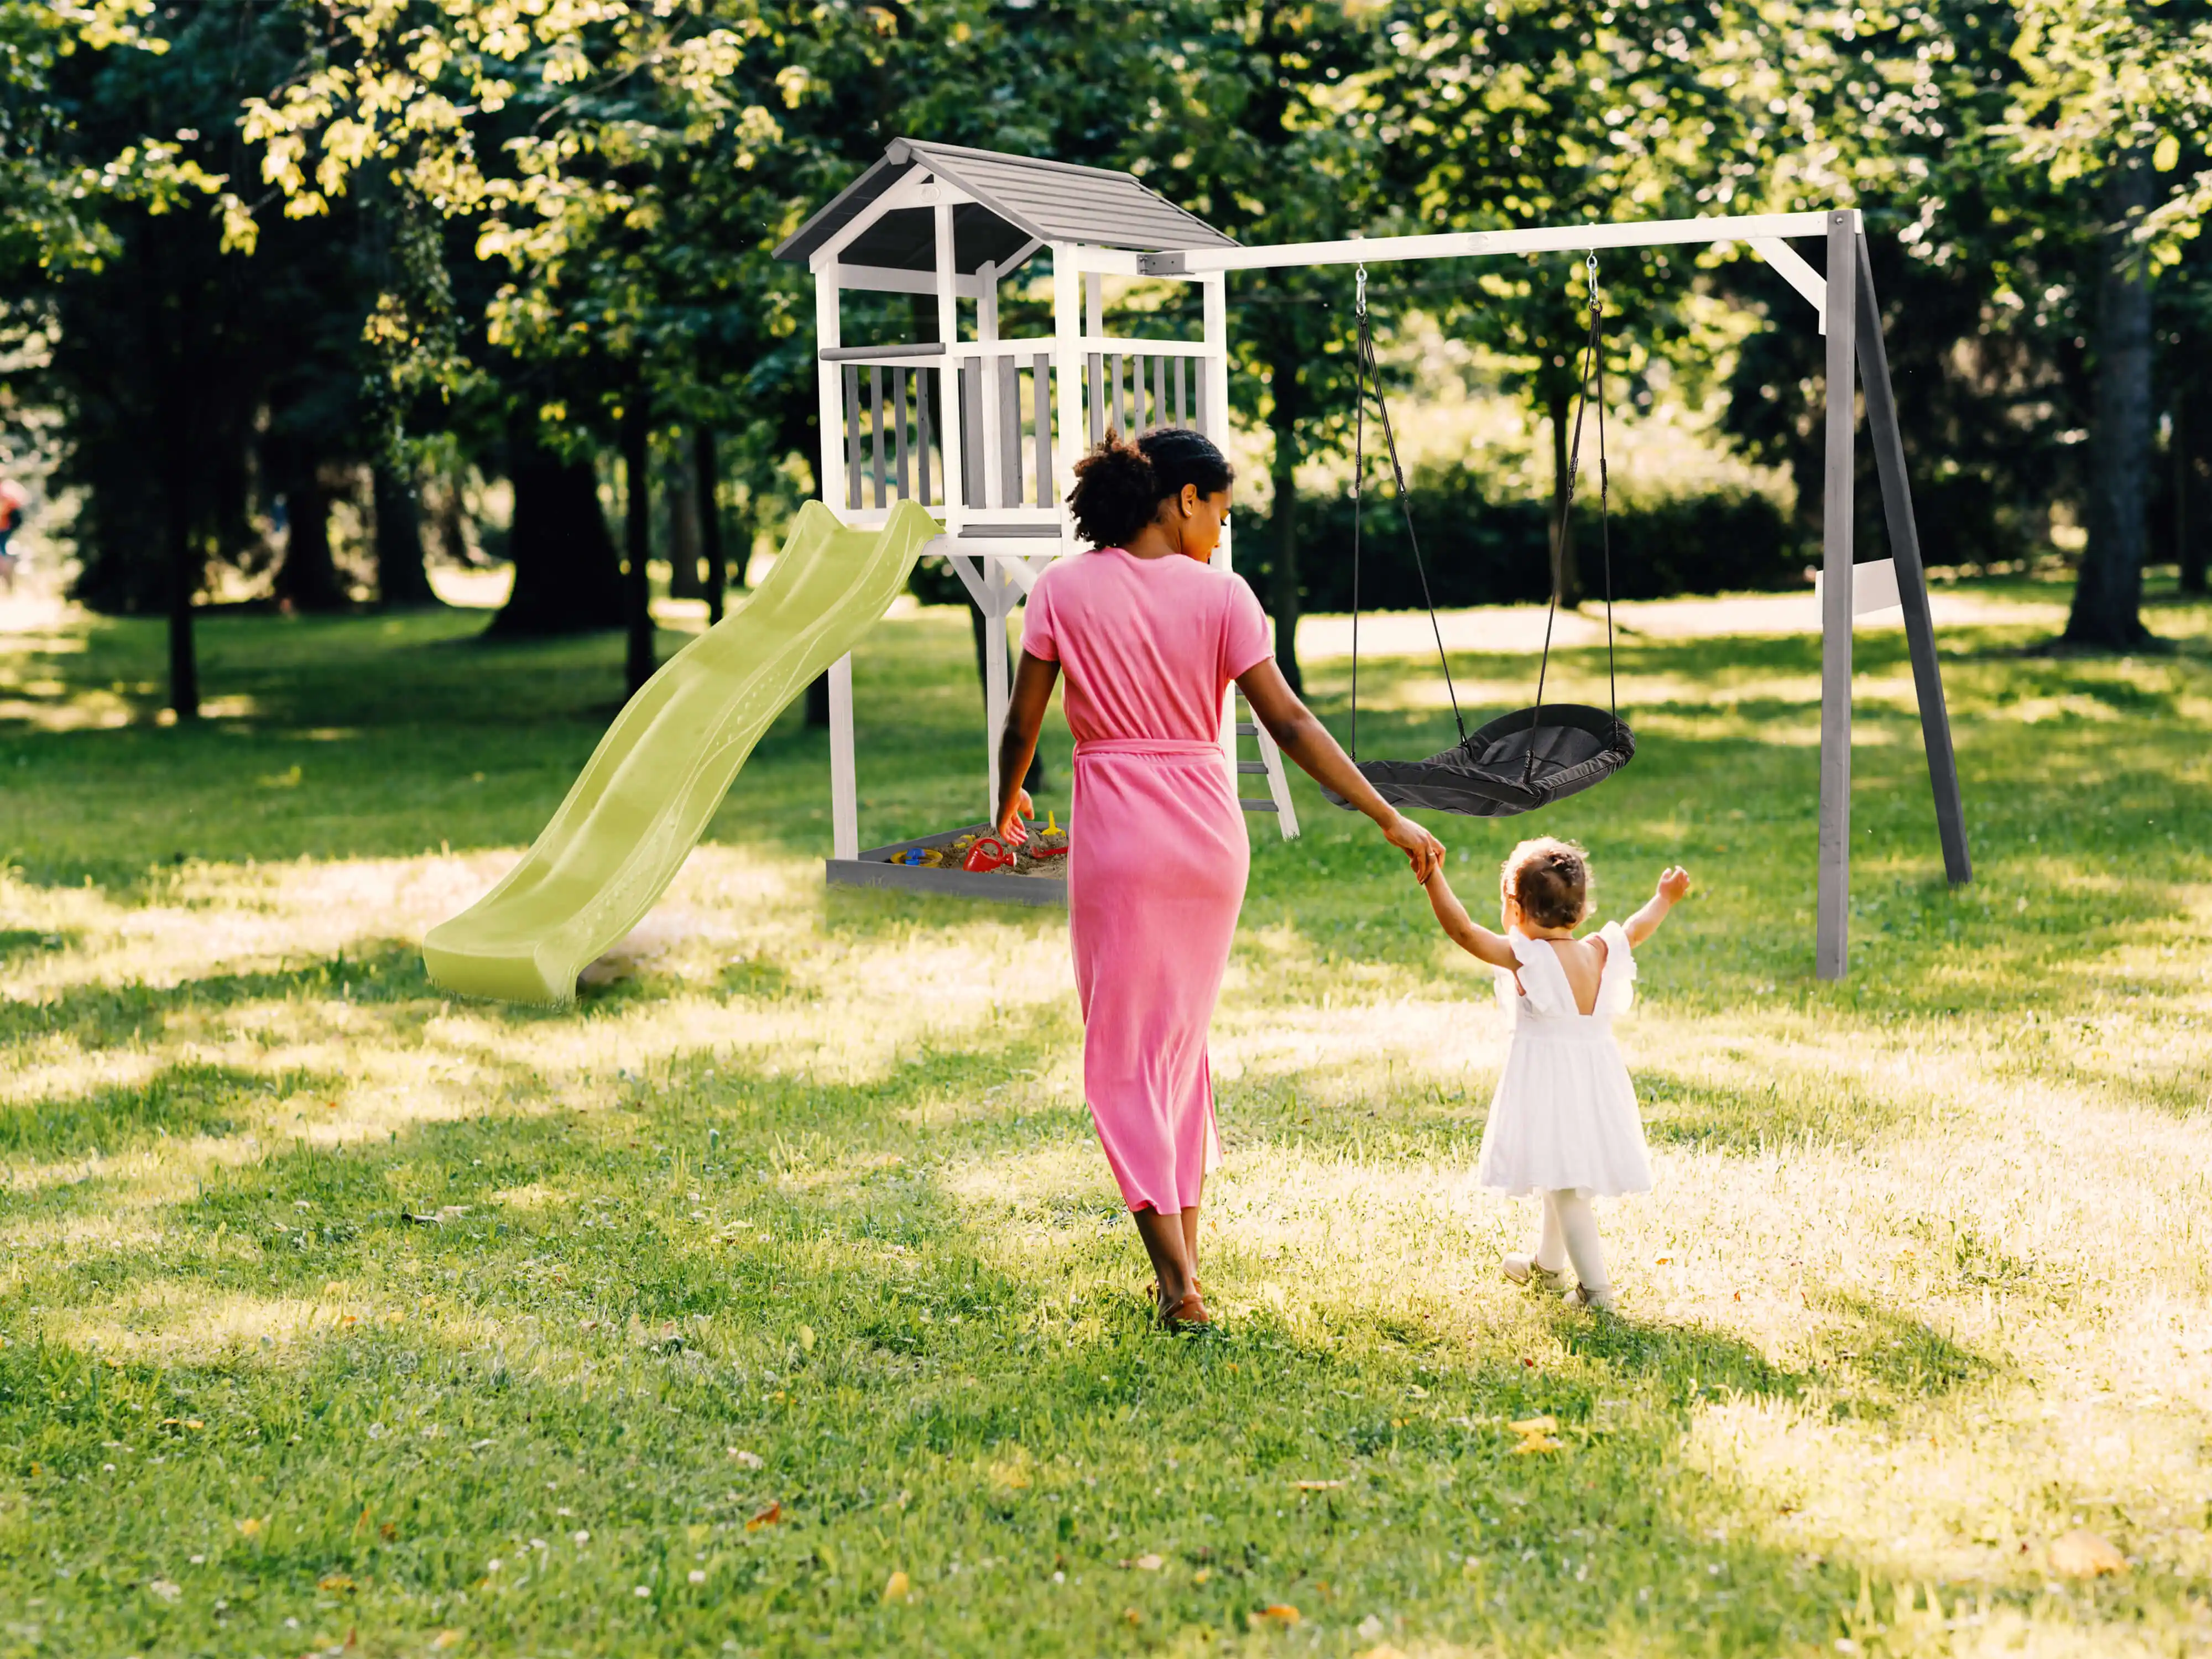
<point x="644" y="798"/>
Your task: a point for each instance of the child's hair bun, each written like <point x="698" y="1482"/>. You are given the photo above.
<point x="1120" y="485"/>
<point x="1551" y="878"/>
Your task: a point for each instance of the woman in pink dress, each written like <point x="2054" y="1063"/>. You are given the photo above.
<point x="1150" y="639"/>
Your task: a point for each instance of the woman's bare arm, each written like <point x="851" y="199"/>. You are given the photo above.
<point x="1307" y="741"/>
<point x="1033" y="682"/>
<point x="1470" y="935"/>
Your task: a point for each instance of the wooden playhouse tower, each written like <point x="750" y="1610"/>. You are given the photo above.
<point x="985" y="430"/>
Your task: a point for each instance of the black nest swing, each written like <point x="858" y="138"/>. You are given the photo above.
<point x="1534" y="755"/>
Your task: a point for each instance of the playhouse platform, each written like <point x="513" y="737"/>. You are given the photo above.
<point x="874" y="868"/>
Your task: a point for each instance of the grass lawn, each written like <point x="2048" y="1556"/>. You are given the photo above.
<point x="777" y="1299"/>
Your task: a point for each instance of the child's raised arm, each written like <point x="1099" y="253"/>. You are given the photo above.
<point x="1470" y="935"/>
<point x="1674" y="882"/>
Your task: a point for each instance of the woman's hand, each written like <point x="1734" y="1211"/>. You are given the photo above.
<point x="1010" y="825"/>
<point x="1422" y="850"/>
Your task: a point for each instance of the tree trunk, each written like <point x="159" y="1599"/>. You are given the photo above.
<point x="681" y="491"/>
<point x="184" y="574"/>
<point x="308" y="579"/>
<point x="2108" y="597"/>
<point x="637" y="513"/>
<point x="1566" y="574"/>
<point x="566" y="578"/>
<point x="402" y="580"/>
<point x="707" y="475"/>
<point x="1283" y="589"/>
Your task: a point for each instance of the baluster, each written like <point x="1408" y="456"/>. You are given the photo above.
<point x="899" y="379"/>
<point x="1121" y="425"/>
<point x="1181" y="364"/>
<point x="1159" y="391"/>
<point x="971" y="434"/>
<point x="854" y="419"/>
<point x="1010" y="431"/>
<point x="922" y="433"/>
<point x="1095" y="389"/>
<point x="1198" y="415"/>
<point x="1040" y="391"/>
<point x="876" y="409"/>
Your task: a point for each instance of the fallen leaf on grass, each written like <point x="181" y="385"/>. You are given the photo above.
<point x="747" y="1460"/>
<point x="446" y="1638"/>
<point x="250" y="1527"/>
<point x="897" y="1586"/>
<point x="165" y="1588"/>
<point x="1535" y="1425"/>
<point x="1536" y="1442"/>
<point x="768" y="1517"/>
<point x="2084" y="1554"/>
<point x="337" y="1582"/>
<point x="1315" y="1485"/>
<point x="1145" y="1563"/>
<point x="1276" y="1613"/>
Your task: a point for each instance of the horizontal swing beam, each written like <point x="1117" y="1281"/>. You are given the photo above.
<point x="1460" y="244"/>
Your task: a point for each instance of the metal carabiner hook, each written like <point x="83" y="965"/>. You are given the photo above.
<point x="1359" y="292"/>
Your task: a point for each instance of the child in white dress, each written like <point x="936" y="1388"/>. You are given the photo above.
<point x="1563" y="1123"/>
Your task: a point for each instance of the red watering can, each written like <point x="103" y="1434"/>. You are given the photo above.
<point x="988" y="853"/>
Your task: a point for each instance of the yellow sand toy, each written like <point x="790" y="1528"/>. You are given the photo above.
<point x="656" y="778"/>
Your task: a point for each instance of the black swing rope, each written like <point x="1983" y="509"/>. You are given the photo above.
<point x="1364" y="367"/>
<point x="1593" y="369"/>
<point x="1580" y="746"/>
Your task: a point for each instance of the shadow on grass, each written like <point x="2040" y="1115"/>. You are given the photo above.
<point x="190" y="1098"/>
<point x="727" y="1261"/>
<point x="100" y="1016"/>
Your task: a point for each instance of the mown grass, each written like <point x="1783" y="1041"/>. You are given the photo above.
<point x="337" y="1312"/>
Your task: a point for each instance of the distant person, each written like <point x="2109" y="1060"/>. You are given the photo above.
<point x="14" y="499"/>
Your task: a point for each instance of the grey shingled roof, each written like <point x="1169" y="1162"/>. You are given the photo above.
<point x="1017" y="197"/>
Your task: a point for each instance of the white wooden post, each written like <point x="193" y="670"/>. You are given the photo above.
<point x="844" y="793"/>
<point x="948" y="330"/>
<point x="1213" y="292"/>
<point x="1001" y="590"/>
<point x="1094" y="303"/>
<point x="1833" y="905"/>
<point x="829" y="475"/>
<point x="987" y="334"/>
<point x="1067" y="380"/>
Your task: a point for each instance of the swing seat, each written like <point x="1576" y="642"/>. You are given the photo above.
<point x="1489" y="775"/>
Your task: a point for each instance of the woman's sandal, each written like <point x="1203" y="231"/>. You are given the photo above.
<point x="1187" y="1314"/>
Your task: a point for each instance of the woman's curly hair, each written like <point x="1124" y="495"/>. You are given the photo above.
<point x="1552" y="879"/>
<point x="1120" y="485"/>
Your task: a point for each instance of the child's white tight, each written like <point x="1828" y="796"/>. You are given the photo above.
<point x="1570" y="1234"/>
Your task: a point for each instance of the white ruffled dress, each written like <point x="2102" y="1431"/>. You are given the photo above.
<point x="1564" y="1114"/>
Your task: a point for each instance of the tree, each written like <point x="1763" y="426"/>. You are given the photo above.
<point x="2110" y="92"/>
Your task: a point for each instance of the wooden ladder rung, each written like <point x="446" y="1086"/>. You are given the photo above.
<point x="1251" y="806"/>
<point x="1260" y="767"/>
<point x="1247" y="729"/>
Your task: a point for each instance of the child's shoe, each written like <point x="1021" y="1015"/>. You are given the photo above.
<point x="1520" y="1268"/>
<point x="1583" y="1296"/>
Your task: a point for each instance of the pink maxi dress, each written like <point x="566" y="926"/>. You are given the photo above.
<point x="1156" y="856"/>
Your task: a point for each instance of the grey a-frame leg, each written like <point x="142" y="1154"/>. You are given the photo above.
<point x="1912" y="577"/>
<point x="1855" y="344"/>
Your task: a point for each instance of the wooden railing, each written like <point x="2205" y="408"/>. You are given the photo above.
<point x="894" y="409"/>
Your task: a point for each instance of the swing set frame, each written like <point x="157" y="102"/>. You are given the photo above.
<point x="1843" y="296"/>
